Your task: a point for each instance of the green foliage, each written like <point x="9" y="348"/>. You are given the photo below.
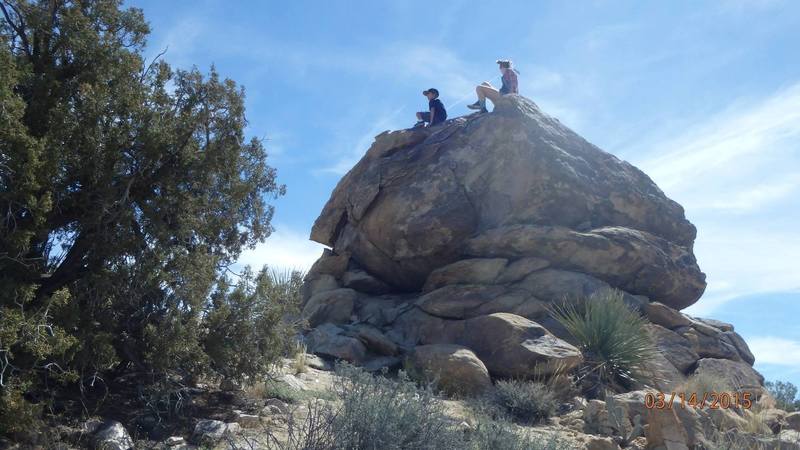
<point x="499" y="435"/>
<point x="127" y="189"/>
<point x="525" y="401"/>
<point x="705" y="383"/>
<point x="785" y="394"/>
<point x="378" y="412"/>
<point x="246" y="328"/>
<point x="613" y="339"/>
<point x="372" y="411"/>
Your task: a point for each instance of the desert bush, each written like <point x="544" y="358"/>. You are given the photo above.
<point x="299" y="358"/>
<point x="271" y="388"/>
<point x="742" y="440"/>
<point x="375" y="412"/>
<point x="499" y="435"/>
<point x="525" y="401"/>
<point x="613" y="339"/>
<point x="705" y="383"/>
<point x="785" y="394"/>
<point x="246" y="329"/>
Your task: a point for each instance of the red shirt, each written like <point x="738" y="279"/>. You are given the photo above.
<point x="509" y="82"/>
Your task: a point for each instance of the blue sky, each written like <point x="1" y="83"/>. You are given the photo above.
<point x="703" y="96"/>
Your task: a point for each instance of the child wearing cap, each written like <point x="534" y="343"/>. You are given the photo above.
<point x="436" y="113"/>
<point x="486" y="90"/>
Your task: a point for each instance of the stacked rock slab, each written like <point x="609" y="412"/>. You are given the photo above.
<point x="463" y="234"/>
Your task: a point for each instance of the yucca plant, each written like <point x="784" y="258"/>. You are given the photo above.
<point x="613" y="339"/>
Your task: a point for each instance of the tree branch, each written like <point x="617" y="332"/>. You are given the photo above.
<point x="19" y="29"/>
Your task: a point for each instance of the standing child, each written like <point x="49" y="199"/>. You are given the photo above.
<point x="486" y="90"/>
<point x="436" y="113"/>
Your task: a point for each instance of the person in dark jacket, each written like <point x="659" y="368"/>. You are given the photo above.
<point x="486" y="90"/>
<point x="436" y="113"/>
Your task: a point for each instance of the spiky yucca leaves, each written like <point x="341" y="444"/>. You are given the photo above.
<point x="613" y="339"/>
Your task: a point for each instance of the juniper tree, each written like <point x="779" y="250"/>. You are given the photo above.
<point x="126" y="188"/>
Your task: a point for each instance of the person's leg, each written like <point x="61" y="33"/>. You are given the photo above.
<point x="420" y="119"/>
<point x="491" y="93"/>
<point x="424" y="116"/>
<point x="484" y="91"/>
<point x="481" y="90"/>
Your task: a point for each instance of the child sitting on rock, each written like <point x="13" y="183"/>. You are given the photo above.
<point x="436" y="113"/>
<point x="486" y="90"/>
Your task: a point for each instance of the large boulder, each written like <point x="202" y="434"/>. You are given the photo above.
<point x="454" y="368"/>
<point x="470" y="232"/>
<point x="513" y="346"/>
<point x="329" y="340"/>
<point x="633" y="260"/>
<point x="675" y="348"/>
<point x="736" y="374"/>
<point x="411" y="204"/>
<point x="334" y="306"/>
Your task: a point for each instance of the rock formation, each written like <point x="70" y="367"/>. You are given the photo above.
<point x="462" y="234"/>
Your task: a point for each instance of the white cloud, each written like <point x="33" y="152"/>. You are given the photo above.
<point x="285" y="249"/>
<point x="756" y="197"/>
<point x="726" y="140"/>
<point x="775" y="350"/>
<point x="736" y="174"/>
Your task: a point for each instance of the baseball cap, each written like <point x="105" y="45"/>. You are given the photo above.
<point x="434" y="91"/>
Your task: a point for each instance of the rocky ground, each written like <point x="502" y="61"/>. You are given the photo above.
<point x="262" y="419"/>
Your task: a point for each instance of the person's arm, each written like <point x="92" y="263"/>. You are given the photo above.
<point x="433" y="113"/>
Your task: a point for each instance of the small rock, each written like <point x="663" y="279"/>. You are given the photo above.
<point x="454" y="369"/>
<point x="281" y="406"/>
<point x="247" y="420"/>
<point x="315" y="362"/>
<point x="640" y="443"/>
<point x="793" y="421"/>
<point x="270" y="410"/>
<point x="210" y="432"/>
<point x="175" y="441"/>
<point x="112" y="436"/>
<point x="600" y="443"/>
<point x="294" y="382"/>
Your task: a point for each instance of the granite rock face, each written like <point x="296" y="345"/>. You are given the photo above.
<point x="513" y="183"/>
<point x="466" y="233"/>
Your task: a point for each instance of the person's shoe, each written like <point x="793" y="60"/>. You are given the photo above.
<point x="419" y="124"/>
<point x="477" y="105"/>
<point x="484" y="110"/>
